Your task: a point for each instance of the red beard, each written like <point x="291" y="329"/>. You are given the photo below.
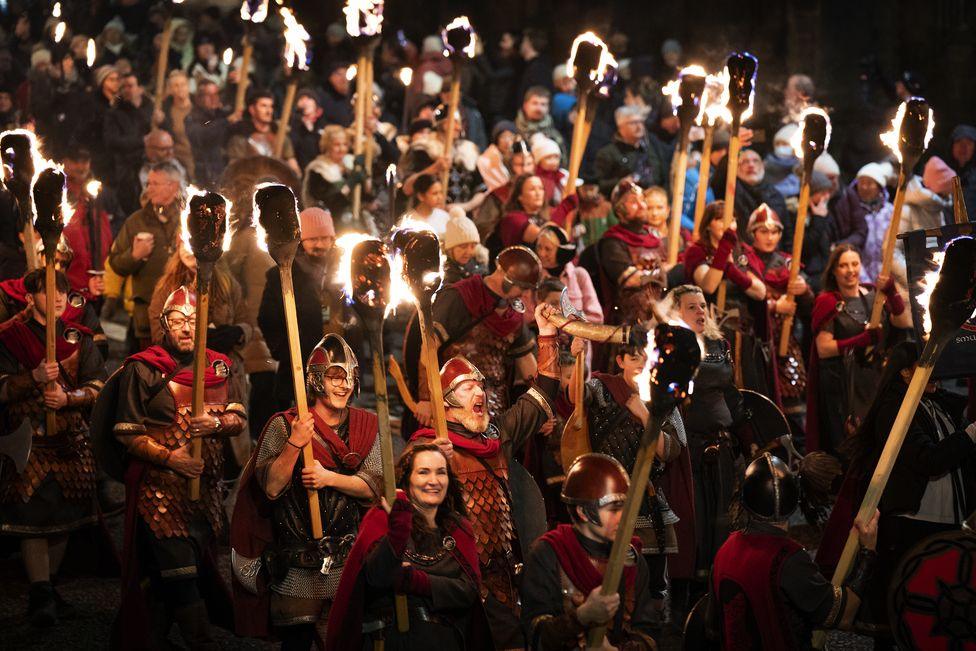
<point x="477" y="423"/>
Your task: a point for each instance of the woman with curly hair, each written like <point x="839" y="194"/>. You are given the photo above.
<point x="420" y="547"/>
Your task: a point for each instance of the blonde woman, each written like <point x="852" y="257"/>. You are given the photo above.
<point x="329" y="178"/>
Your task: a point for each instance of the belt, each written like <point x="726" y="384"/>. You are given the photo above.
<point x="313" y="554"/>
<point x="386" y="619"/>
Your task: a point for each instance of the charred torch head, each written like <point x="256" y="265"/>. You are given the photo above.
<point x="912" y="138"/>
<point x="691" y="90"/>
<point x="953" y="299"/>
<point x="277" y="212"/>
<point x="678" y="357"/>
<point x="48" y="194"/>
<point x="207" y="224"/>
<point x="459" y="38"/>
<point x="370" y="276"/>
<point x="16" y="152"/>
<point x="814" y="136"/>
<point x="421" y="261"/>
<point x="742" y="68"/>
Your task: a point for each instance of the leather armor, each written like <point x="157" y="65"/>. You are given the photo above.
<point x="489" y="353"/>
<point x="65" y="454"/>
<point x="635" y="303"/>
<point x="163" y="500"/>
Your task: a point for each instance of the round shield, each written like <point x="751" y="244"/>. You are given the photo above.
<point x="932" y="596"/>
<point x="767" y="421"/>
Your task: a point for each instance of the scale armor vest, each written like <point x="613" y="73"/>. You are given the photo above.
<point x="65" y="455"/>
<point x="489" y="353"/>
<point x="164" y="501"/>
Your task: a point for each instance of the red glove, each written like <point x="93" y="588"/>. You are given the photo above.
<point x="737" y="276"/>
<point x="894" y="301"/>
<point x="867" y="338"/>
<point x="724" y="250"/>
<point x="412" y="581"/>
<point x="400" y="520"/>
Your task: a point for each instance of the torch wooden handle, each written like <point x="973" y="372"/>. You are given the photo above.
<point x="452" y="108"/>
<point x="283" y="121"/>
<point x="408" y="400"/>
<point x="599" y="332"/>
<point x="298" y="381"/>
<point x="959" y="213"/>
<point x="575" y="438"/>
<point x="368" y="152"/>
<point x="199" y="369"/>
<point x="242" y="76"/>
<point x="162" y="60"/>
<point x="628" y="520"/>
<point x="704" y="169"/>
<point x="578" y="145"/>
<point x="50" y="332"/>
<point x="728" y="213"/>
<point x="30" y="252"/>
<point x="888" y="253"/>
<point x="432" y="368"/>
<point x="677" y="199"/>
<point x="795" y="262"/>
<point x="359" y="127"/>
<point x="886" y="463"/>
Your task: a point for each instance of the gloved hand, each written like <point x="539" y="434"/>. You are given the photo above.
<point x="400" y="521"/>
<point x="724" y="250"/>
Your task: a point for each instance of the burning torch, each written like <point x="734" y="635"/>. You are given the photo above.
<point x="590" y="64"/>
<point x="278" y="230"/>
<point x="949" y="300"/>
<point x="50" y="200"/>
<point x="741" y="70"/>
<point x="296" y="54"/>
<point x="911" y="131"/>
<point x="673" y="358"/>
<point x="364" y="24"/>
<point x="809" y="141"/>
<point x="687" y="94"/>
<point x="252" y="13"/>
<point x="460" y="42"/>
<point x="714" y="100"/>
<point x="18" y="151"/>
<point x="420" y="252"/>
<point x="205" y="230"/>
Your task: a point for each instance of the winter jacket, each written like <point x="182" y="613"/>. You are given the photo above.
<point x="124" y="127"/>
<point x="847" y="216"/>
<point x="546" y="127"/>
<point x="619" y="159"/>
<point x="923" y="208"/>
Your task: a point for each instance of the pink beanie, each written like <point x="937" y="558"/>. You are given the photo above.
<point x="937" y="176"/>
<point x="316" y="222"/>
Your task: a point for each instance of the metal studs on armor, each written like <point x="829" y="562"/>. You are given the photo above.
<point x="76" y="300"/>
<point x="72" y="335"/>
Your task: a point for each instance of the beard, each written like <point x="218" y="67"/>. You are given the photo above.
<point x="477" y="423"/>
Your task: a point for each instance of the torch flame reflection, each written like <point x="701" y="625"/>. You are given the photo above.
<point x="90" y="53"/>
<point x="296" y="52"/>
<point x="371" y="14"/>
<point x="256" y="16"/>
<point x="605" y="63"/>
<point x="796" y="141"/>
<point x="890" y="138"/>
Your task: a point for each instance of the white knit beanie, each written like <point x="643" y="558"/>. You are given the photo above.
<point x="543" y="146"/>
<point x="459" y="230"/>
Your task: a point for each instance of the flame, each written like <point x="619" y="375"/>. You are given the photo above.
<point x="59" y="31"/>
<point x="371" y="13"/>
<point x="56" y="12"/>
<point x="259" y="233"/>
<point x="40" y="164"/>
<point x="258" y="15"/>
<point x="408" y="223"/>
<point x="461" y="22"/>
<point x="295" y="38"/>
<point x="715" y="100"/>
<point x="606" y="62"/>
<point x="391" y="174"/>
<point x="406" y="76"/>
<point x="671" y="90"/>
<point x="67" y="210"/>
<point x="90" y="53"/>
<point x="650" y="360"/>
<point x="228" y="56"/>
<point x="399" y="289"/>
<point x="351" y="72"/>
<point x="93" y="187"/>
<point x="194" y="191"/>
<point x="890" y="138"/>
<point x="796" y="142"/>
<point x="346" y="244"/>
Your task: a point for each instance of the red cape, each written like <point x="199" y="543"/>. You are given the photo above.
<point x="478" y="300"/>
<point x="14" y="288"/>
<point x="346" y="617"/>
<point x="576" y="562"/>
<point x="646" y="239"/>
<point x="251" y="531"/>
<point x="824" y="311"/>
<point x="478" y="447"/>
<point x="160" y="359"/>
<point x="29" y="349"/>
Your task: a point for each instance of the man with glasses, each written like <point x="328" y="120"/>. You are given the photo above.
<point x="146" y="241"/>
<point x="283" y="576"/>
<point x="170" y="539"/>
<point x="630" y="154"/>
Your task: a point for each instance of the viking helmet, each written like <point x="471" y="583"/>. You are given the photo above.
<point x="182" y="300"/>
<point x="332" y="351"/>
<point x="764" y="216"/>
<point x="521" y="266"/>
<point x="770" y="491"/>
<point x="455" y="371"/>
<point x="593" y="481"/>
